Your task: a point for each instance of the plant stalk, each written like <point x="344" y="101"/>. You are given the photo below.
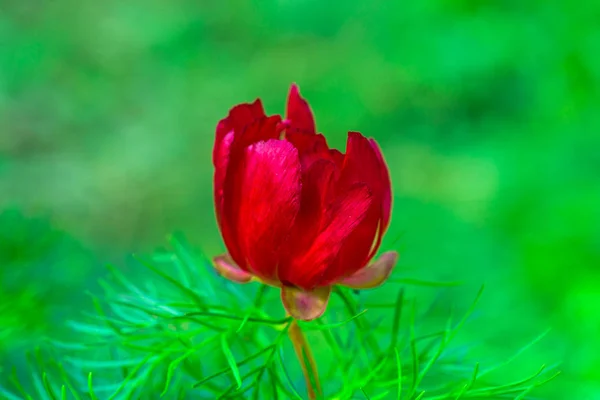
<point x="306" y="359"/>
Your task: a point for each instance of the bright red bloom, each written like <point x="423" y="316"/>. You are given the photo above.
<point x="294" y="213"/>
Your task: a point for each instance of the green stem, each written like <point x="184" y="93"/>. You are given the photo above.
<point x="306" y="359"/>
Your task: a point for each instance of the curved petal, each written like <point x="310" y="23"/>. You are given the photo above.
<point x="307" y="142"/>
<point x="361" y="165"/>
<point x="238" y="118"/>
<point x="337" y="157"/>
<point x="386" y="197"/>
<point x="221" y="167"/>
<point x="355" y="249"/>
<point x="311" y="147"/>
<point x="373" y="275"/>
<point x="268" y="204"/>
<point x="301" y="131"/>
<point x="249" y="124"/>
<point x="228" y="269"/>
<point x="316" y="188"/>
<point x="245" y="113"/>
<point x="298" y="114"/>
<point x="263" y="128"/>
<point x="340" y="220"/>
<point x="305" y="305"/>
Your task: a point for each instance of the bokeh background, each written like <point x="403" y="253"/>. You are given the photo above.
<point x="487" y="113"/>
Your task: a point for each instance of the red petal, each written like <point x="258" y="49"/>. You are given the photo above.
<point x="225" y="158"/>
<point x="246" y="112"/>
<point x="361" y="164"/>
<point x="316" y="189"/>
<point x="221" y="164"/>
<point x="374" y="275"/>
<point x="225" y="225"/>
<point x="341" y="219"/>
<point x="307" y="142"/>
<point x="223" y="128"/>
<point x="337" y="157"/>
<point x="305" y="305"/>
<point x="268" y="203"/>
<point x="298" y="114"/>
<point x="312" y="148"/>
<point x="355" y="249"/>
<point x="386" y="196"/>
<point x="238" y="118"/>
<point x="263" y="128"/>
<point x="386" y="184"/>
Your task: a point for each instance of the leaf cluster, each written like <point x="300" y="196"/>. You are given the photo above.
<point x="172" y="328"/>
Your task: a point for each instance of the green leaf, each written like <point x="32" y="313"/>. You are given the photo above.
<point x="414" y="352"/>
<point x="184" y="289"/>
<point x="91" y="387"/>
<point x="399" y="369"/>
<point x="362" y="328"/>
<point x="150" y="335"/>
<point x="518" y="353"/>
<point x="469" y="384"/>
<point x="145" y="362"/>
<point x="449" y="334"/>
<point x="239" y="364"/>
<point x="104" y="364"/>
<point x="231" y="360"/>
<point x="48" y="387"/>
<point x="312" y="327"/>
<point x="7" y="395"/>
<point x="17" y="384"/>
<point x="265" y="321"/>
<point x="397" y="318"/>
<point x="293" y="389"/>
<point x="171" y="369"/>
<point x="67" y="382"/>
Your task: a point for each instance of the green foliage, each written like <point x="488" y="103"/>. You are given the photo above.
<point x="487" y="113"/>
<point x="178" y="330"/>
<point x="38" y="266"/>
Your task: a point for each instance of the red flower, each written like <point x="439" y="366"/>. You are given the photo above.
<point x="294" y="213"/>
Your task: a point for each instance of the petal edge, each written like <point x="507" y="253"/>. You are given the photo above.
<point x="298" y="112"/>
<point x="228" y="269"/>
<point x="268" y="203"/>
<point x="373" y="275"/>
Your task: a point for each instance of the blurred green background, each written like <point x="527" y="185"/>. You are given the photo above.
<point x="487" y="113"/>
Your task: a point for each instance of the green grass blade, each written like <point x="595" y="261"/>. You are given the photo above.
<point x="192" y="295"/>
<point x="48" y="386"/>
<point x="239" y="364"/>
<point x="312" y="327"/>
<point x="91" y="388"/>
<point x="231" y="360"/>
<point x="397" y="319"/>
<point x="399" y="369"/>
<point x="171" y="369"/>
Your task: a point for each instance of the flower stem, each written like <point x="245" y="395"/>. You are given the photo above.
<point x="306" y="359"/>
